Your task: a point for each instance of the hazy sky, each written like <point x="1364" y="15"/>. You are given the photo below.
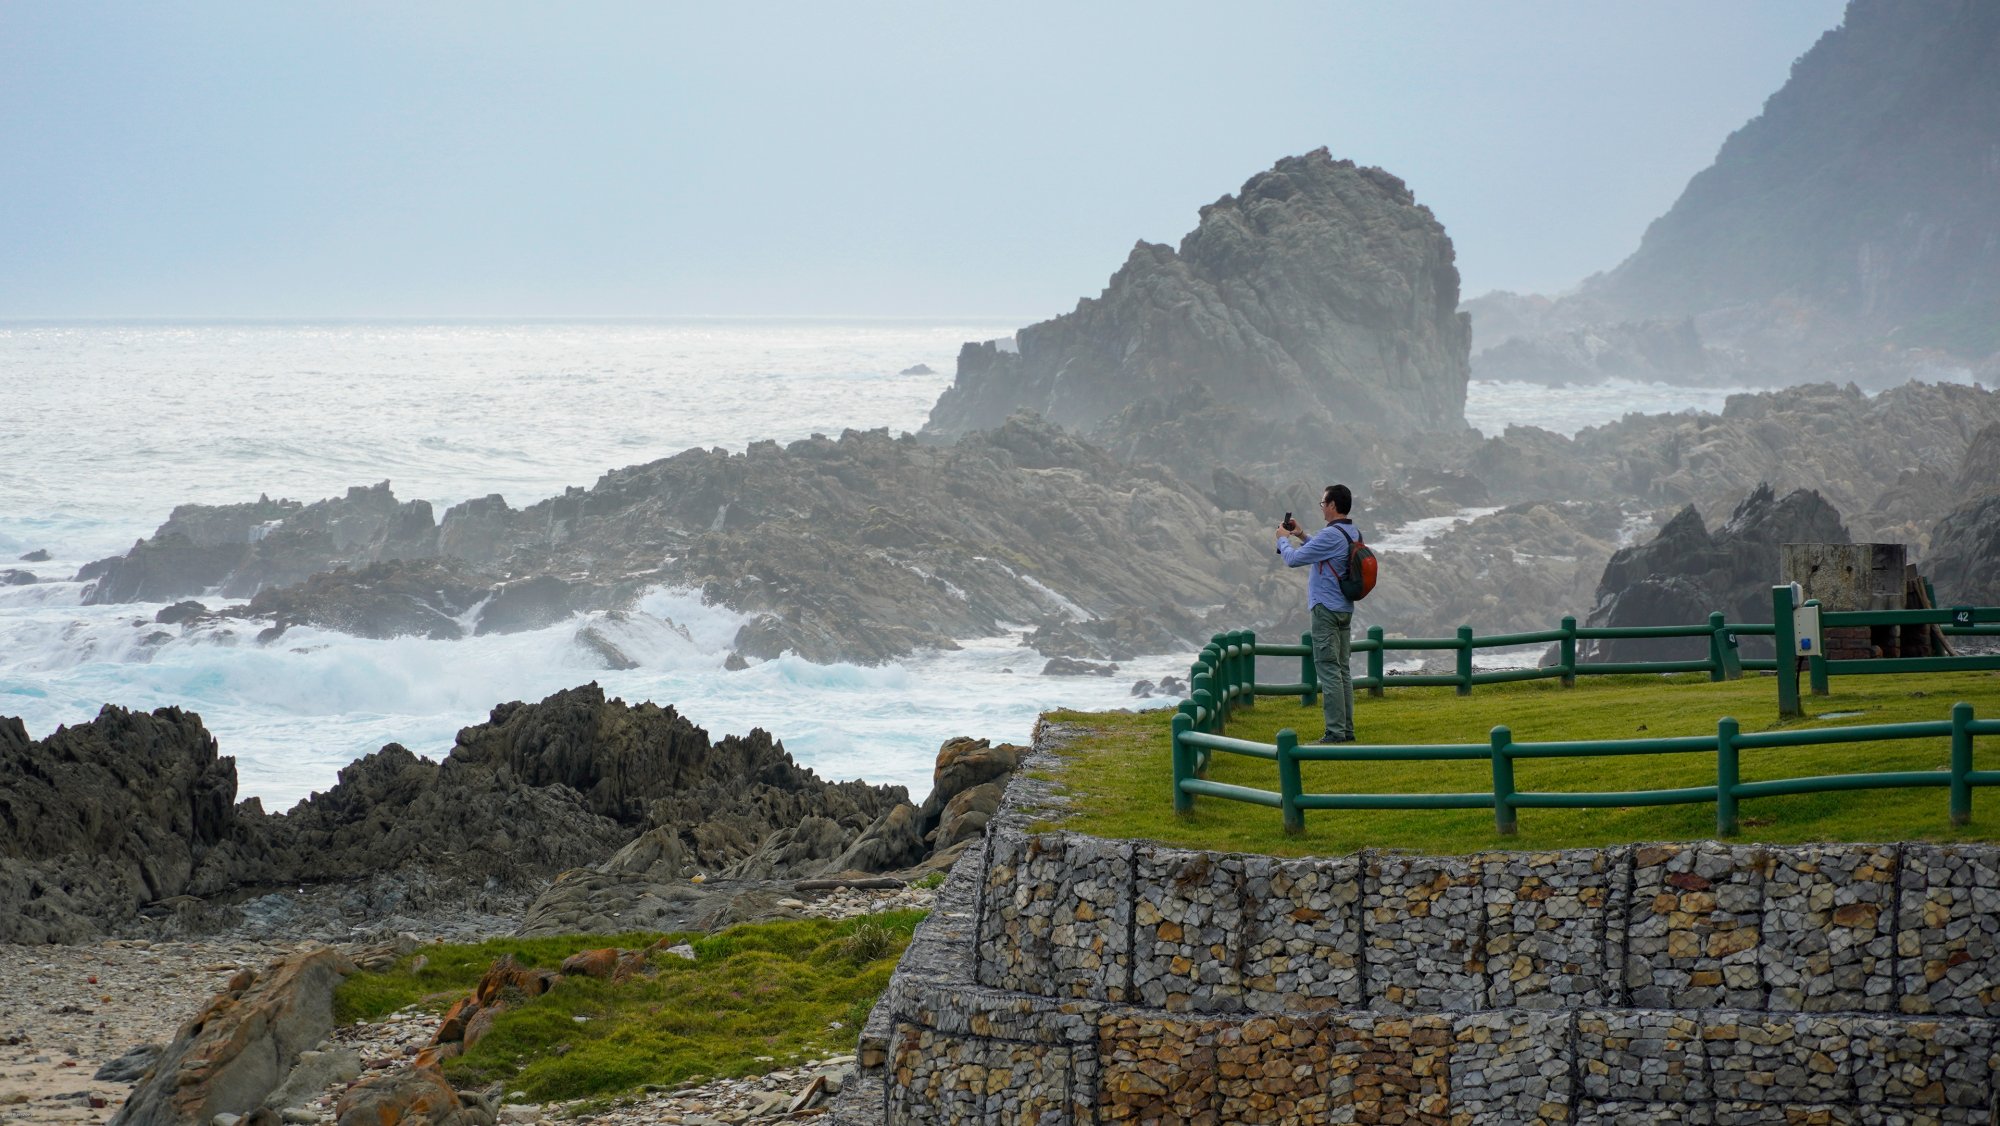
<point x="357" y="159"/>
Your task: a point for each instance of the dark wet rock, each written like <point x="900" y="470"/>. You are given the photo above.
<point x="644" y="764"/>
<point x="128" y="820"/>
<point x="17" y="578"/>
<point x="39" y="555"/>
<point x="530" y="604"/>
<point x="735" y="662"/>
<point x="917" y="369"/>
<point x="380" y="600"/>
<point x="606" y="650"/>
<point x="242" y="549"/>
<point x="180" y="612"/>
<point x="1070" y="666"/>
<point x="1119" y="637"/>
<point x="1685" y="573"/>
<point x="1320" y="291"/>
<point x="101" y="818"/>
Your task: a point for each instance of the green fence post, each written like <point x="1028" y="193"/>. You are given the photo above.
<point x="1725" y="777"/>
<point x="1308" y="675"/>
<point x="1183" y="764"/>
<point x="1375" y="661"/>
<point x="1249" y="668"/>
<point x="1730" y="650"/>
<point x="1788" y="651"/>
<point x="1465" y="660"/>
<point x="1205" y="700"/>
<point x="1715" y="667"/>
<point x="1961" y="763"/>
<point x="1503" y="782"/>
<point x="1289" y="786"/>
<point x="1568" y="644"/>
<point x="1219" y="680"/>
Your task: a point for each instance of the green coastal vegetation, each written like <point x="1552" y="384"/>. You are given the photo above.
<point x="1116" y="772"/>
<point x="756" y="997"/>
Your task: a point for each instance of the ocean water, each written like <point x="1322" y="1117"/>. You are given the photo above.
<point x="105" y="427"/>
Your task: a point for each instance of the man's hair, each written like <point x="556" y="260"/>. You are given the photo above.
<point x="1340" y="497"/>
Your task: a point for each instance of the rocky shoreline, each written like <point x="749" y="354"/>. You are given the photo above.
<point x="146" y="897"/>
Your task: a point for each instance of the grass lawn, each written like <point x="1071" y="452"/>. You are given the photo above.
<point x="758" y="997"/>
<point x="1118" y="775"/>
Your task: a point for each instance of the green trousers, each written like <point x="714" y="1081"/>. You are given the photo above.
<point x="1332" y="643"/>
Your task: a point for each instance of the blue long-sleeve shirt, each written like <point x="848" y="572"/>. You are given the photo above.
<point x="1326" y="554"/>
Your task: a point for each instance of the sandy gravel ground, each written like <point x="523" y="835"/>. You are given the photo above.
<point x="65" y="1011"/>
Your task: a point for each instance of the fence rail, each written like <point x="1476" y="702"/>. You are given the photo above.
<point x="1191" y="749"/>
<point x="1223" y="680"/>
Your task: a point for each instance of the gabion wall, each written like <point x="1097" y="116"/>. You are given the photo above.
<point x="1064" y="978"/>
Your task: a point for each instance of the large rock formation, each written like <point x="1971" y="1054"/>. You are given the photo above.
<point x="98" y="819"/>
<point x="240" y="549"/>
<point x="133" y="813"/>
<point x="862" y="548"/>
<point x="1851" y="230"/>
<point x="1685" y="573"/>
<point x="1862" y="201"/>
<point x="1868" y="455"/>
<point x="1964" y="559"/>
<point x="1321" y="296"/>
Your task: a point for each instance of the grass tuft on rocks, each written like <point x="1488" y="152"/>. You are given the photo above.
<point x="1117" y="772"/>
<point x="757" y="997"/>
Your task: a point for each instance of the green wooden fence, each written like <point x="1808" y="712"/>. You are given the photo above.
<point x="1223" y="680"/>
<point x="1191" y="749"/>
<point x="1954" y="621"/>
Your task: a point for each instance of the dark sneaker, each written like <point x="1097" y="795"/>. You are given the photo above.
<point x="1329" y="738"/>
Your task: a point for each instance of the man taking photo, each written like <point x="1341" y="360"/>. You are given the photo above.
<point x="1332" y="611"/>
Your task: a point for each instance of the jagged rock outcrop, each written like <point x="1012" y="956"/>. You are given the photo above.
<point x="1862" y="200"/>
<point x="101" y="818"/>
<point x="1321" y="290"/>
<point x="1850" y="230"/>
<point x="1852" y="447"/>
<point x="1964" y="559"/>
<point x="134" y="813"/>
<point x="1685" y="573"/>
<point x="241" y="549"/>
<point x="889" y="545"/>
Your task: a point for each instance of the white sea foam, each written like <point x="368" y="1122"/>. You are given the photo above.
<point x="1411" y="536"/>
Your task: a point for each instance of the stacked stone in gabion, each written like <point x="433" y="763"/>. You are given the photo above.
<point x="1423" y="938"/>
<point x="1511" y="1067"/>
<point x="1697" y="919"/>
<point x="1829" y="917"/>
<point x="1645" y="1056"/>
<point x="1056" y="916"/>
<point x="1545" y="927"/>
<point x="1948" y="940"/>
<point x="1263" y="1069"/>
<point x="1390" y="1068"/>
<point x="1216" y="933"/>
